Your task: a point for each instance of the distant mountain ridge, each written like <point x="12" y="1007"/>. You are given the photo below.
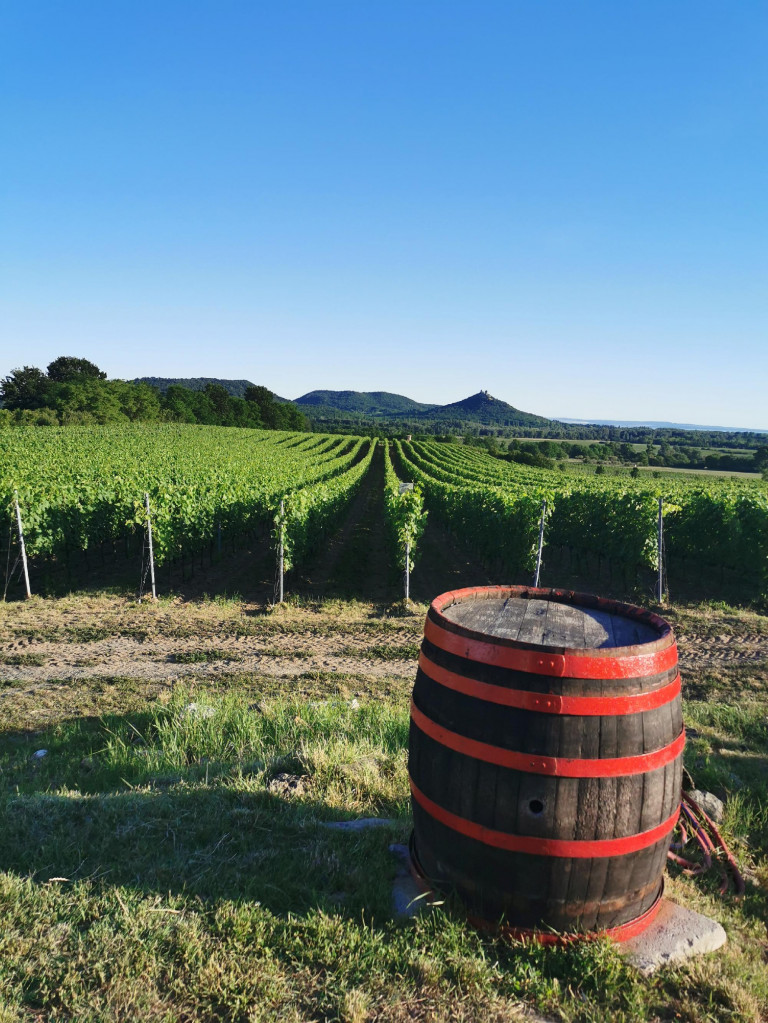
<point x="369" y="403"/>
<point x="484" y="408"/>
<point x="361" y="408"/>
<point x="653" y="424"/>
<point x="481" y="408"/>
<point x="236" y="388"/>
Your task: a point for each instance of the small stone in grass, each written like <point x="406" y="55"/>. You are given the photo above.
<point x="709" y="803"/>
<point x="410" y="896"/>
<point x="194" y="710"/>
<point x="39" y="754"/>
<point x="287" y="785"/>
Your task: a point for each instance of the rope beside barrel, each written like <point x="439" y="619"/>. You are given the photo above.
<point x="696" y="826"/>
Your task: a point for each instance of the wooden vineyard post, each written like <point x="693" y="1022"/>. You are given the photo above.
<point x="218" y="537"/>
<point x="22" y="545"/>
<point x="541" y="543"/>
<point x="281" y="552"/>
<point x="151" y="549"/>
<point x="660" y="551"/>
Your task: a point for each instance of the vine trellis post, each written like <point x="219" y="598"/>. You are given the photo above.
<point x="404" y="489"/>
<point x="281" y="551"/>
<point x="660" y="552"/>
<point x="151" y="549"/>
<point x="22" y="545"/>
<point x="541" y="543"/>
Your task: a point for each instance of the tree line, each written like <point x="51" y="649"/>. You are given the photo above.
<point x="336" y="421"/>
<point x="76" y="392"/>
<point x="546" y="453"/>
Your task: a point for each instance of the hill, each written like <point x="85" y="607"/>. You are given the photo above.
<point x="366" y="403"/>
<point x="485" y="409"/>
<point x="236" y="388"/>
<point x="354" y="406"/>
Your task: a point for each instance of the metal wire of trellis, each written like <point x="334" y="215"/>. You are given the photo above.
<point x="145" y="566"/>
<point x="10" y="570"/>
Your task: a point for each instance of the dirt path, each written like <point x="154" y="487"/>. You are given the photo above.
<point x="700" y="651"/>
<point x="166" y="658"/>
<point x="353" y="562"/>
<point x="79" y="638"/>
<point x="75" y="639"/>
<point x="280" y="656"/>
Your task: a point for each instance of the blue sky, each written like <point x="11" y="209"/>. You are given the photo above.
<point x="563" y="203"/>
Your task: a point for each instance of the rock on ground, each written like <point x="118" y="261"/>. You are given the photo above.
<point x="709" y="803"/>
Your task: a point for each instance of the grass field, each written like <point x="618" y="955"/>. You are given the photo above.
<point x="576" y="465"/>
<point x="166" y="858"/>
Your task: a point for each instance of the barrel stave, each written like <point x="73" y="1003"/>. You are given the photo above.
<point x="518" y="803"/>
<point x="559" y="735"/>
<point x="533" y="892"/>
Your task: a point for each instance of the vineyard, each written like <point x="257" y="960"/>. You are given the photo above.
<point x="715" y="527"/>
<point x="183" y="779"/>
<point x="86" y="489"/>
<point x="83" y="487"/>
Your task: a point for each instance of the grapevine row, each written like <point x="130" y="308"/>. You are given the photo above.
<point x="404" y="514"/>
<point x="724" y="526"/>
<point x="80" y="487"/>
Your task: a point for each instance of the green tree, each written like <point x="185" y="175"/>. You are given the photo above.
<point x="89" y="400"/>
<point x="35" y="417"/>
<point x="221" y="400"/>
<point x="261" y="395"/>
<point x="67" y="368"/>
<point x="627" y="453"/>
<point x="140" y="402"/>
<point x="275" y="415"/>
<point x="182" y="404"/>
<point x="28" y="388"/>
<point x="92" y="399"/>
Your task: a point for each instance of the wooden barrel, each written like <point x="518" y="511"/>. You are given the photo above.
<point x="545" y="759"/>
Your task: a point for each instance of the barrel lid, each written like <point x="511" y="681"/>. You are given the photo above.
<point x="554" y="619"/>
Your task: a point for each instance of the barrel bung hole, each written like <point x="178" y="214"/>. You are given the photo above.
<point x="536" y="806"/>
